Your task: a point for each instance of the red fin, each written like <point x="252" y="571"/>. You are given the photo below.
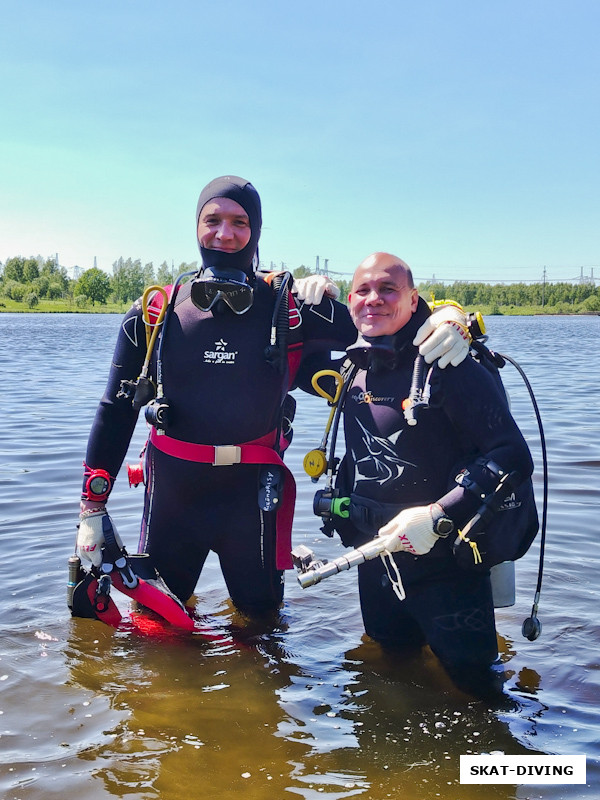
<point x="85" y="603"/>
<point x="157" y="601"/>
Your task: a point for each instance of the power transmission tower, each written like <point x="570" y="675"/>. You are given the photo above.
<point x="544" y="288"/>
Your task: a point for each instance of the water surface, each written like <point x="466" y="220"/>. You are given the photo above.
<point x="311" y="708"/>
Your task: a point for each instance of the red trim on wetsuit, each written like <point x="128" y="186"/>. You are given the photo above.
<point x="156" y="303"/>
<point x="259" y="451"/>
<point x="294" y="355"/>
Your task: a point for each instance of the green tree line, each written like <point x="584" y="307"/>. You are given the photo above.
<point x="30" y="280"/>
<point x="581" y="297"/>
<point x="584" y="293"/>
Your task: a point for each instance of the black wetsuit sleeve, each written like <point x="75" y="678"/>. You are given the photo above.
<point x="327" y="328"/>
<point x="115" y="418"/>
<point x="480" y="415"/>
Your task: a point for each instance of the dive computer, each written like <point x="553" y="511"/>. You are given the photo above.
<point x="442" y="525"/>
<point x="97" y="484"/>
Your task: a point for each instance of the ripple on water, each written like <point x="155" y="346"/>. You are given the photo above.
<point x="307" y="707"/>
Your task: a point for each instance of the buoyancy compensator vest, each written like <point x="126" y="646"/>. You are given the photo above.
<point x="506" y="523"/>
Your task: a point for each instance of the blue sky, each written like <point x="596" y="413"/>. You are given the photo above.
<point x="462" y="136"/>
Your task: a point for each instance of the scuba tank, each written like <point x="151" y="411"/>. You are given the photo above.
<point x="502" y="577"/>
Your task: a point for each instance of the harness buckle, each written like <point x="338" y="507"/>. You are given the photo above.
<point x="226" y="455"/>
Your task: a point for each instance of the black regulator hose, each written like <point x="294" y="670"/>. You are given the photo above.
<point x="532" y="627"/>
<point x="276" y="351"/>
<point x="348" y="381"/>
<point x="168" y="314"/>
<point x="158" y="410"/>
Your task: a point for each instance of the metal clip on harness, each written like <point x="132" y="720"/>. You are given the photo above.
<point x="315" y="462"/>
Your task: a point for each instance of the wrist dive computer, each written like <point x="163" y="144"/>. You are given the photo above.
<point x="97" y="484"/>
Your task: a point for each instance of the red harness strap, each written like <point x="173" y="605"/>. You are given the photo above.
<point x="259" y="451"/>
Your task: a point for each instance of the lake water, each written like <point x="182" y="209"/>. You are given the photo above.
<point x="312" y="708"/>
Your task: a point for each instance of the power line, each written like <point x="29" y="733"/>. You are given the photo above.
<point x="508" y="281"/>
<point x="321" y="269"/>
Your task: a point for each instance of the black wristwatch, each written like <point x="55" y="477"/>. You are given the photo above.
<point x="442" y="525"/>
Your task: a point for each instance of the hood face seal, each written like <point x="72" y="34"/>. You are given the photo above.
<point x="242" y="192"/>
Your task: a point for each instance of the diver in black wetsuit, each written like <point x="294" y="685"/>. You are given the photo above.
<point x="214" y="476"/>
<point x="400" y="478"/>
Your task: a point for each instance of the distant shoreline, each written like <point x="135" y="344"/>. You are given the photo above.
<point x="508" y="311"/>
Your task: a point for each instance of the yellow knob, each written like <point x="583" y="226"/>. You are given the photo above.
<point x="315" y="463"/>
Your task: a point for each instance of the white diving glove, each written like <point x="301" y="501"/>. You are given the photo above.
<point x="90" y="536"/>
<point x="312" y="289"/>
<point x="411" y="530"/>
<point x="445" y="336"/>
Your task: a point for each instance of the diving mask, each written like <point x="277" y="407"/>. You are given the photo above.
<point x="229" y="285"/>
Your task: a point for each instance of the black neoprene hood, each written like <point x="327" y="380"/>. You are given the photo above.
<point x="242" y="192"/>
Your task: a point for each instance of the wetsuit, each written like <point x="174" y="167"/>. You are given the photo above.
<point x="389" y="462"/>
<point x="222" y="391"/>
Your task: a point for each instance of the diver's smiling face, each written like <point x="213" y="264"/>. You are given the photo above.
<point x="381" y="301"/>
<point x="223" y="225"/>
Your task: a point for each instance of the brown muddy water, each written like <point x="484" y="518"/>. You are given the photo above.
<point x="310" y="708"/>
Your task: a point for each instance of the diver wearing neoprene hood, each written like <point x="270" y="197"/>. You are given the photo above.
<point x="213" y="473"/>
<point x="244" y="194"/>
<point x="227" y="276"/>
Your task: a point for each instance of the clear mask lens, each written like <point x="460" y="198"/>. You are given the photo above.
<point x="206" y="292"/>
